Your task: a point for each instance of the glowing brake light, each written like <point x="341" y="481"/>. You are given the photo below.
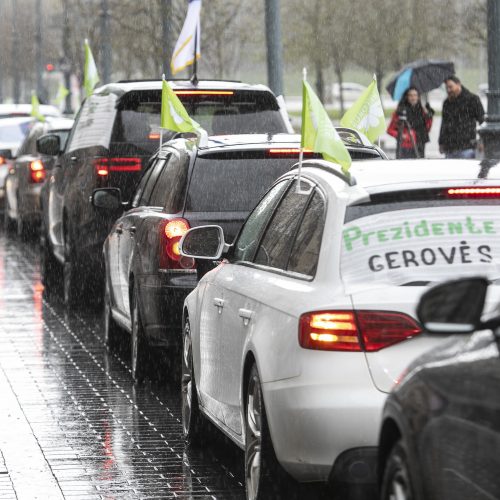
<point x="37" y="172"/>
<point x="354" y="330"/>
<point x="288" y="151"/>
<point x="2" y="160"/>
<point x="474" y="192"/>
<point x="170" y="253"/>
<point x="154" y="136"/>
<point x="105" y="165"/>
<point x="203" y="92"/>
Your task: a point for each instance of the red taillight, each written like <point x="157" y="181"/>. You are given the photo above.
<point x="2" y="160"/>
<point x="355" y="331"/>
<point x="170" y="255"/>
<point x="474" y="192"/>
<point x="288" y="152"/>
<point x="114" y="164"/>
<point x="203" y="92"/>
<point x="37" y="171"/>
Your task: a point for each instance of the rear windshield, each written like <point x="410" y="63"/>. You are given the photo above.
<point x="233" y="183"/>
<point x="242" y="112"/>
<point x="421" y="241"/>
<point x="14" y="132"/>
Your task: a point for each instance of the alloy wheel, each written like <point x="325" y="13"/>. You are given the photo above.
<point x="254" y="446"/>
<point x="187" y="380"/>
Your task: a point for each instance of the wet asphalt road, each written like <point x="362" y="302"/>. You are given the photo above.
<point x="72" y="422"/>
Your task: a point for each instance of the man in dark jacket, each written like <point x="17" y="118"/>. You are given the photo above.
<point x="462" y="110"/>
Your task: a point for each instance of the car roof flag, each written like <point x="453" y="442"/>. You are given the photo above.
<point x="366" y="115"/>
<point x="90" y="75"/>
<point x="318" y="133"/>
<point x="174" y="115"/>
<point x="35" y="108"/>
<point x="187" y="49"/>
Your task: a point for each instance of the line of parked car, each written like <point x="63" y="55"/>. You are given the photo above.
<point x="290" y="303"/>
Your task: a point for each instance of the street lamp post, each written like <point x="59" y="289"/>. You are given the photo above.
<point x="16" y="80"/>
<point x="166" y="21"/>
<point x="490" y="130"/>
<point x="106" y="42"/>
<point x="39" y="51"/>
<point x="274" y="48"/>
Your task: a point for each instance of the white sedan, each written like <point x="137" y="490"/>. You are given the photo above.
<point x="292" y="343"/>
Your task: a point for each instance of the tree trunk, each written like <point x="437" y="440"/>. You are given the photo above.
<point x="340" y="80"/>
<point x="320" y="82"/>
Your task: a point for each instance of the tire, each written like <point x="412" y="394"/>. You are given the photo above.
<point x="113" y="334"/>
<point x="194" y="424"/>
<point x="263" y="474"/>
<point x="396" y="483"/>
<point x="72" y="286"/>
<point x="23" y="228"/>
<point x="8" y="223"/>
<point x="50" y="269"/>
<point x="138" y="346"/>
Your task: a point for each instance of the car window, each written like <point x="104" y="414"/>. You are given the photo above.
<point x="246" y="243"/>
<point x="156" y="170"/>
<point x="14" y="132"/>
<point x="171" y="186"/>
<point x="63" y="137"/>
<point x="29" y="145"/>
<point x="276" y="244"/>
<point x="305" y="250"/>
<point x="233" y="182"/>
<point x="142" y="183"/>
<point x="95" y="122"/>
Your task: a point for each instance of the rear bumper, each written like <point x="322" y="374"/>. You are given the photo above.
<point x="162" y="298"/>
<point x="317" y="417"/>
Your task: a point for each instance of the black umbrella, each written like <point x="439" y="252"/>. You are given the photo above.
<point x="424" y="75"/>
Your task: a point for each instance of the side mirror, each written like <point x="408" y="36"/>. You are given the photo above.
<point x="454" y="306"/>
<point x="49" y="144"/>
<point x="107" y="198"/>
<point x="204" y="242"/>
<point x="6" y="154"/>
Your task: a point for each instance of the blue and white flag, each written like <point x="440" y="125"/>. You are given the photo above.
<point x="184" y="52"/>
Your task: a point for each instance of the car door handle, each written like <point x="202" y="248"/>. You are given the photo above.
<point x="132" y="229"/>
<point x="245" y="315"/>
<point x="119" y="229"/>
<point x="219" y="304"/>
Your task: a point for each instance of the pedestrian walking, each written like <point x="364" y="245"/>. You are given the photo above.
<point x="462" y="111"/>
<point x="410" y="125"/>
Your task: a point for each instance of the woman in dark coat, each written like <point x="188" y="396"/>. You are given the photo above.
<point x="417" y="125"/>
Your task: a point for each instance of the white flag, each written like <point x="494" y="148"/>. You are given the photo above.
<point x="190" y="34"/>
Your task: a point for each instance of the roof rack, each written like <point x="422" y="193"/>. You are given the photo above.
<point x="176" y="80"/>
<point x="332" y="168"/>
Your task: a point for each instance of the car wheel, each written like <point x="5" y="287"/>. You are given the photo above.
<point x="396" y="483"/>
<point x="50" y="268"/>
<point x="262" y="471"/>
<point x="138" y="347"/>
<point x="194" y="424"/>
<point x="8" y="223"/>
<point x="72" y="287"/>
<point x="23" y="228"/>
<point x="113" y="334"/>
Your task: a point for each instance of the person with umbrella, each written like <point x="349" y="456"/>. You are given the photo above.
<point x="410" y="125"/>
<point x="462" y="111"/>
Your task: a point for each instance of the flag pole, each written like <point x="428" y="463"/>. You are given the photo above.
<point x="161" y="129"/>
<point x="301" y="154"/>
<point x="194" y="78"/>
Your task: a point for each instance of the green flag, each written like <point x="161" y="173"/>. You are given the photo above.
<point x="35" y="108"/>
<point x="173" y="113"/>
<point x="318" y="132"/>
<point x="367" y="115"/>
<point x="90" y="75"/>
<point x="62" y="93"/>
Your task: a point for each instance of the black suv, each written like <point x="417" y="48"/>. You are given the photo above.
<point x="187" y="185"/>
<point x="115" y="133"/>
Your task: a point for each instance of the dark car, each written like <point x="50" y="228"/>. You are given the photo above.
<point x="440" y="437"/>
<point x="115" y="133"/>
<point x="187" y="185"/>
<point x="27" y="175"/>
